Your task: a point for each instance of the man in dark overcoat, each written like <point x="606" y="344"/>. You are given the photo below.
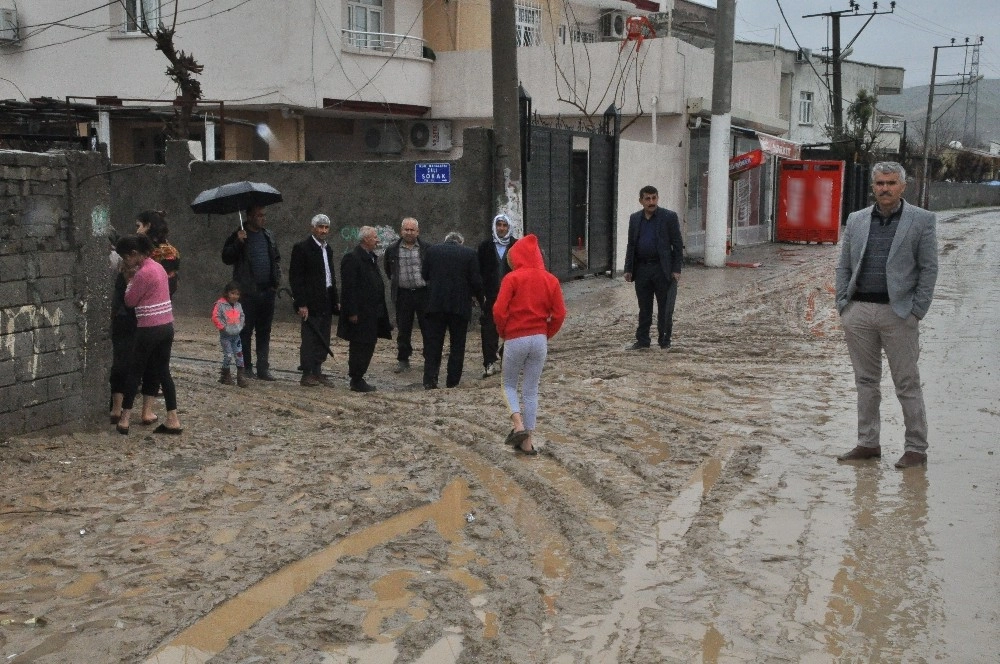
<point x="452" y="274"/>
<point x="364" y="316"/>
<point x="312" y="277"/>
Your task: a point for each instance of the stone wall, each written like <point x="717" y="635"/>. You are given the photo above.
<point x="54" y="290"/>
<point x="953" y="195"/>
<point x="351" y="193"/>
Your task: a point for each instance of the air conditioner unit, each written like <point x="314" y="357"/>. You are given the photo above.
<point x="430" y="135"/>
<point x="803" y="55"/>
<point x="613" y="25"/>
<point x="8" y="26"/>
<point x="383" y="138"/>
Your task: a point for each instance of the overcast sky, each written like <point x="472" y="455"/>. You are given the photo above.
<point x="905" y="38"/>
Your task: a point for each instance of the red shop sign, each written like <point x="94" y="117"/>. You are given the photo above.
<point x="745" y="161"/>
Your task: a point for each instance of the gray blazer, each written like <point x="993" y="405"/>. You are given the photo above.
<point x="911" y="269"/>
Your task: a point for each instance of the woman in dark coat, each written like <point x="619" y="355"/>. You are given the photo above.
<point x="364" y="315"/>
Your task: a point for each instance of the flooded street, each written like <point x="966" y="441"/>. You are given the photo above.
<point x="686" y="505"/>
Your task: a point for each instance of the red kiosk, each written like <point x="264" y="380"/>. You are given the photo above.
<point x="809" y="201"/>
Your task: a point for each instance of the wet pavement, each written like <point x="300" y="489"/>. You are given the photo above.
<point x="686" y="506"/>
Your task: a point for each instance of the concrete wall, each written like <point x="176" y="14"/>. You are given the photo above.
<point x="352" y="194"/>
<point x="952" y="195"/>
<point x="55" y="285"/>
<point x="664" y="167"/>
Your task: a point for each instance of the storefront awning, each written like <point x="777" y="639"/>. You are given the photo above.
<point x="780" y="147"/>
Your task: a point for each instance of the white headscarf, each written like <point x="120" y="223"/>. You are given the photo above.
<point x="502" y="241"/>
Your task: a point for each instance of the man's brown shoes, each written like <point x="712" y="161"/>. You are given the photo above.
<point x="911" y="460"/>
<point x="860" y="453"/>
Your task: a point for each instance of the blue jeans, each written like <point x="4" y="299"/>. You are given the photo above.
<point x="232" y="350"/>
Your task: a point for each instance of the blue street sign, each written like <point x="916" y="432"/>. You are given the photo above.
<point x="432" y="173"/>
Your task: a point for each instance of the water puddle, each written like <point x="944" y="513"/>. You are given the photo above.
<point x="82" y="586"/>
<point x="210" y="635"/>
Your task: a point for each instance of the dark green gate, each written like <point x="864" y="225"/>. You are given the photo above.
<point x="570" y="193"/>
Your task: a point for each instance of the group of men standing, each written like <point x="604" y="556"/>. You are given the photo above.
<point x="434" y="285"/>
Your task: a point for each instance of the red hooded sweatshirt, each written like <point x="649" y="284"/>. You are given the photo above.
<point x="530" y="300"/>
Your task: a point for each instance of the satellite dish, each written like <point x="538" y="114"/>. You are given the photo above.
<point x="957" y="145"/>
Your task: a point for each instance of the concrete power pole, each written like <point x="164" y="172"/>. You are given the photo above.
<point x="506" y="125"/>
<point x="717" y="211"/>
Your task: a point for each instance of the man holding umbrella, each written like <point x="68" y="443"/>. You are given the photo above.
<point x="253" y="253"/>
<point x="314" y="297"/>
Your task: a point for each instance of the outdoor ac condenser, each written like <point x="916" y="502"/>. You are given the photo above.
<point x="8" y="26"/>
<point x="430" y="135"/>
<point x="382" y="138"/>
<point x="613" y="25"/>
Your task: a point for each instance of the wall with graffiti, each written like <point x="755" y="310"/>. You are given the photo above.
<point x="54" y="282"/>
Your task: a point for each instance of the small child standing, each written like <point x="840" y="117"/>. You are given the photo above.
<point x="228" y="317"/>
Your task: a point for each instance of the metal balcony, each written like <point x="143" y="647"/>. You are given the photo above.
<point x="384" y="43"/>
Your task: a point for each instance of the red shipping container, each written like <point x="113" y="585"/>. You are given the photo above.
<point x="809" y="201"/>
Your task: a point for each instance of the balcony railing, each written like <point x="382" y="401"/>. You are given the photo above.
<point x="384" y="42"/>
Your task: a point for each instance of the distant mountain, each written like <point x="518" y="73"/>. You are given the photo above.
<point x="952" y="125"/>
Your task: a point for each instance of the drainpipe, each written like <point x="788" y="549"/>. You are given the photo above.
<point x="654" y="99"/>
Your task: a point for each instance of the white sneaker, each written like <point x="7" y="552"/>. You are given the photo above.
<point x="490" y="370"/>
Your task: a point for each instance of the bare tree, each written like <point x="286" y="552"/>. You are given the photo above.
<point x="182" y="70"/>
<point x="575" y="84"/>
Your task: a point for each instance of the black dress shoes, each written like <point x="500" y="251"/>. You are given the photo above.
<point x="861" y="453"/>
<point x="361" y="386"/>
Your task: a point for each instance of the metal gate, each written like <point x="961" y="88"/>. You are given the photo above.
<point x="570" y="193"/>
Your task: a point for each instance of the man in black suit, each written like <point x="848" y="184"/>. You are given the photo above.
<point x="452" y="274"/>
<point x="493" y="265"/>
<point x="653" y="260"/>
<point x="314" y="297"/>
<point x="364" y="316"/>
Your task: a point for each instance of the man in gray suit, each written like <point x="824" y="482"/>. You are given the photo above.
<point x="885" y="283"/>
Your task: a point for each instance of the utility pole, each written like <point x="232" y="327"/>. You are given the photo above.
<point x="506" y="116"/>
<point x="965" y="80"/>
<point x="972" y="101"/>
<point x="837" y="55"/>
<point x="717" y="211"/>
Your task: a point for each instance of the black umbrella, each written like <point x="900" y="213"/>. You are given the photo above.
<point x="235" y="197"/>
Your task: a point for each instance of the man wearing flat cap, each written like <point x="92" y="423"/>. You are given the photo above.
<point x="313" y="280"/>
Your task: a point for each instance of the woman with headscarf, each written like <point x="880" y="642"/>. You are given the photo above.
<point x="493" y="266"/>
<point x="148" y="293"/>
<point x="529" y="311"/>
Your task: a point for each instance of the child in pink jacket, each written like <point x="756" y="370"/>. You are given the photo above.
<point x="229" y="319"/>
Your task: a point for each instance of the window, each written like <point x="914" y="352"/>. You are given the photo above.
<point x="364" y="23"/>
<point x="806" y="108"/>
<point x="528" y="23"/>
<point x="577" y="35"/>
<point x="142" y="15"/>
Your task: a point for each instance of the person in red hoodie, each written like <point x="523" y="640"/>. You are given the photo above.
<point x="529" y="310"/>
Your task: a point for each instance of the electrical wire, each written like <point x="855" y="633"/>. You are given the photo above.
<point x="821" y="78"/>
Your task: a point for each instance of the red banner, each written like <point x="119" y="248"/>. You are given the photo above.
<point x="745" y="161"/>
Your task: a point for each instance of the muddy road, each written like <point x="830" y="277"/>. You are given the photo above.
<point x="686" y="506"/>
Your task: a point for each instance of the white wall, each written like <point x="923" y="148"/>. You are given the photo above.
<point x="639" y="164"/>
<point x="272" y="53"/>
